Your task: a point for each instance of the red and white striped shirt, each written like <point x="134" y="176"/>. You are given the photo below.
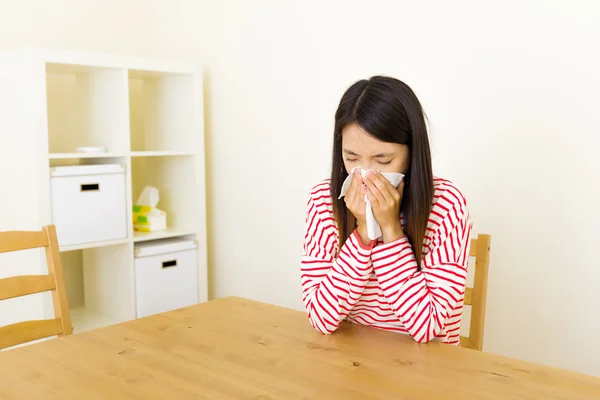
<point x="380" y="285"/>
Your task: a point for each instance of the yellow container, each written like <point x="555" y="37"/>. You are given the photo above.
<point x="149" y="219"/>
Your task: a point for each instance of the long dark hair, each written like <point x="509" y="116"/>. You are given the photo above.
<point x="389" y="111"/>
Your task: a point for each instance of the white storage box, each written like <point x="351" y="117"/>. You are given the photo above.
<point x="88" y="203"/>
<point x="166" y="276"/>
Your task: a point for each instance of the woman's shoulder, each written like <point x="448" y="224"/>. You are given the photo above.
<point x="447" y="196"/>
<point x="320" y="195"/>
<point x="321" y="191"/>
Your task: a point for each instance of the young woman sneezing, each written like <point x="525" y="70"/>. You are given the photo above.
<point x="410" y="278"/>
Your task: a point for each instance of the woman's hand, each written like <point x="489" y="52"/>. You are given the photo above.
<point x="355" y="202"/>
<point x="385" y="201"/>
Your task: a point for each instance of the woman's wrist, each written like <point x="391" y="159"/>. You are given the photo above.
<point x="361" y="229"/>
<point x="392" y="233"/>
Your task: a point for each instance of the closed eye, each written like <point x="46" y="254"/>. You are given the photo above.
<point x="384" y="163"/>
<point x="351" y="159"/>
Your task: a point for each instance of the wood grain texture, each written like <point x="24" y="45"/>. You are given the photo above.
<point x="22" y="240"/>
<point x="476" y="296"/>
<point x="482" y="262"/>
<point x="466" y="343"/>
<point x="24" y="285"/>
<point x="27" y="331"/>
<point x="473" y="248"/>
<point x="239" y="349"/>
<point x="59" y="295"/>
<point x="468" y="296"/>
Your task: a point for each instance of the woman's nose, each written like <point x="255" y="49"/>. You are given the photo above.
<point x="367" y="165"/>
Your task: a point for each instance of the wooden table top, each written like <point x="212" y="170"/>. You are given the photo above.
<point x="239" y="349"/>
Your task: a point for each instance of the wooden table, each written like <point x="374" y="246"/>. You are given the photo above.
<point x="239" y="349"/>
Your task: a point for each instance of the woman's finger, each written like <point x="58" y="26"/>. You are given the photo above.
<point x="373" y="200"/>
<point x="374" y="190"/>
<point x="358" y="179"/>
<point x="386" y="188"/>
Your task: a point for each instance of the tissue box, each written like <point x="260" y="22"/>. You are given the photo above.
<point x="149" y="219"/>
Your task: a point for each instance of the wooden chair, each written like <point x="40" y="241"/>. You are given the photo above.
<point x="476" y="296"/>
<point x="23" y="332"/>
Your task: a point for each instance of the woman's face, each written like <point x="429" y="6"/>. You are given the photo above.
<point x="359" y="149"/>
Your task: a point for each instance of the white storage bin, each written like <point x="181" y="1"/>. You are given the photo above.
<point x="88" y="203"/>
<point x="166" y="276"/>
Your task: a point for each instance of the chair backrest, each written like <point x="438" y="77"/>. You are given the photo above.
<point x="476" y="296"/>
<point x="17" y="286"/>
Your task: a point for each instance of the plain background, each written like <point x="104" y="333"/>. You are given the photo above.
<point x="511" y="89"/>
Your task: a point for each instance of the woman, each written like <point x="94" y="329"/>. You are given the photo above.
<point x="412" y="278"/>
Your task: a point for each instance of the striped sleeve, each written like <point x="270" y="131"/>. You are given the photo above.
<point x="331" y="286"/>
<point x="424" y="300"/>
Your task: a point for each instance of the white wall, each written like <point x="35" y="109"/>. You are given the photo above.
<point x="511" y="91"/>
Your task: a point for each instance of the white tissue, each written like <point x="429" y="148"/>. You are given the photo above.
<point x="373" y="229"/>
<point x="149" y="197"/>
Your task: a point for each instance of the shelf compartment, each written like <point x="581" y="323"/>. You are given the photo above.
<point x="84" y="320"/>
<point x="86" y="106"/>
<point x="99" y="283"/>
<point x="161" y="111"/>
<point x="176" y="184"/>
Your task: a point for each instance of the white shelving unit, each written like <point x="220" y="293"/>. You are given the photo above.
<point x="148" y="113"/>
<point x="169" y="233"/>
<point x="77" y="156"/>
